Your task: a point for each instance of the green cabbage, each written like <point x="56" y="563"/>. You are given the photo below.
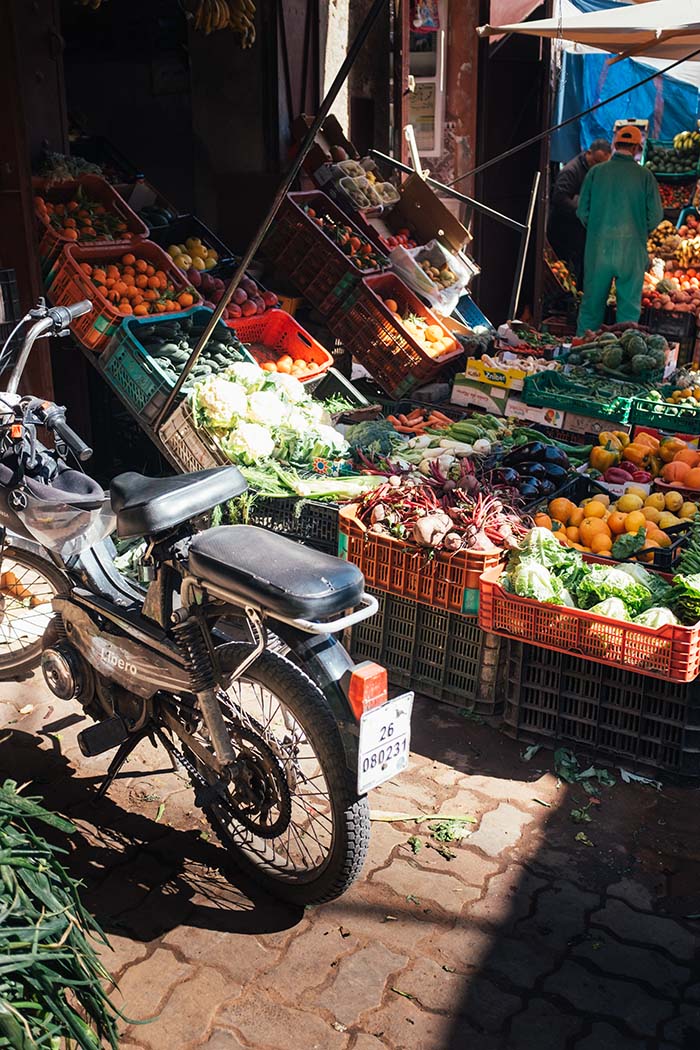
<point x="612" y="582"/>
<point x="658" y="588"/>
<point x="613" y="608"/>
<point x="685" y="598"/>
<point x="532" y="580"/>
<point x="656" y="617"/>
<point x="541" y="546"/>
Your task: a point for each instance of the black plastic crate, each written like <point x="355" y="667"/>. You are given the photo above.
<point x="553" y="699"/>
<point x="437" y="653"/>
<point x="311" y="522"/>
<point x="675" y="327"/>
<point x="185" y="226"/>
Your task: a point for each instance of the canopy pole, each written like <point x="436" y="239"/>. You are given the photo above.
<point x="524" y="245"/>
<point x="286" y="184"/>
<point x="571" y="120"/>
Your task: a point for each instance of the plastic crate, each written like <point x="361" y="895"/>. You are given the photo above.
<point x="553" y="698"/>
<point x="554" y="390"/>
<point x="301" y="250"/>
<point x="685" y="215"/>
<point x="669" y="176"/>
<point x="311" y="522"/>
<point x="671" y="652"/>
<point x="675" y="419"/>
<point x="52" y="242"/>
<point x="676" y="327"/>
<point x="191" y="448"/>
<point x="275" y="333"/>
<point x="444" y="581"/>
<point x="184" y="227"/>
<point x="137" y="377"/>
<point x="381" y="343"/>
<point x="437" y="653"/>
<point x="581" y="487"/>
<point x="468" y="313"/>
<point x="70" y="284"/>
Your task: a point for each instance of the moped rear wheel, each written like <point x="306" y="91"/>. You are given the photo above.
<point x="297" y="826"/>
<point x="28" y="585"/>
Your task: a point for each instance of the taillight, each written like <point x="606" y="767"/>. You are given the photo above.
<point x="369" y="688"/>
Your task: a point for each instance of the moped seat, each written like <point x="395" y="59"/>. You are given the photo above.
<point x="274" y="573"/>
<point x="148" y="506"/>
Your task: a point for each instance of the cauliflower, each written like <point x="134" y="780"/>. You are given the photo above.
<point x="248" y="374"/>
<point x="266" y="407"/>
<point x="292" y="388"/>
<point x="249" y="443"/>
<point x="328" y="441"/>
<point x="221" y="400"/>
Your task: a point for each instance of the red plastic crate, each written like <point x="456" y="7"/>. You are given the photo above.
<point x="71" y="284"/>
<point x="380" y="342"/>
<point x="671" y="652"/>
<point x="277" y="333"/>
<point x="302" y="251"/>
<point x="52" y="241"/>
<point x="445" y="581"/>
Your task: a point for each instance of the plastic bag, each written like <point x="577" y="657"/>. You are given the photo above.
<point x="406" y="262"/>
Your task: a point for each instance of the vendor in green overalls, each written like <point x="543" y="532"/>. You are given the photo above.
<point x="619" y="206"/>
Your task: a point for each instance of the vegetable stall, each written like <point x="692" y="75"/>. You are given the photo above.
<point x="525" y="508"/>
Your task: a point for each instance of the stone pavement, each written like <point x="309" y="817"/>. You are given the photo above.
<point x="517" y="937"/>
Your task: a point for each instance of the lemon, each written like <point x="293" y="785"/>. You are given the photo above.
<point x="173" y="250"/>
<point x="183" y="261"/>
<point x="209" y="263"/>
<point x="674" y="501"/>
<point x="630" y="502"/>
<point x="198" y="263"/>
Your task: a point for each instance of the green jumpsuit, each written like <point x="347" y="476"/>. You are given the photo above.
<point x="619" y="206"/>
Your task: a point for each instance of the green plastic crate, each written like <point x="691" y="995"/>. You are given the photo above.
<point x="674" y="419"/>
<point x="554" y="390"/>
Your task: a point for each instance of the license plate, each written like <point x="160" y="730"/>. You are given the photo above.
<point x="385" y="741"/>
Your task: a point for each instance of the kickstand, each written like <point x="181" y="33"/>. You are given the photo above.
<point x="118" y="761"/>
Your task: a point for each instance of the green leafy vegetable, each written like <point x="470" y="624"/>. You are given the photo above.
<point x="613" y="608"/>
<point x="612" y="582"/>
<point x="532" y="580"/>
<point x="656" y="617"/>
<point x="374" y="436"/>
<point x="685" y="598"/>
<point x="628" y="544"/>
<point x="656" y="585"/>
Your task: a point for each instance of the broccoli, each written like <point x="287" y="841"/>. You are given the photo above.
<point x="374" y="437"/>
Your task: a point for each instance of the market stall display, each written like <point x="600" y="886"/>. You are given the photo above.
<point x="676" y="158"/>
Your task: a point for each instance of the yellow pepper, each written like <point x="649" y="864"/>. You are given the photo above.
<point x="613" y="439"/>
<point x="601" y="458"/>
<point x="637" y="454"/>
<point x="669" y="447"/>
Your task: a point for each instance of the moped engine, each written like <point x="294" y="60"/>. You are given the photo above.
<point x="66" y="673"/>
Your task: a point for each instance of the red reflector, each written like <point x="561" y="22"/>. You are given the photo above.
<point x="16" y="431"/>
<point x="369" y="688"/>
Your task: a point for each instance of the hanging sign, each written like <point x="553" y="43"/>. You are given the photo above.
<point x="425" y="16"/>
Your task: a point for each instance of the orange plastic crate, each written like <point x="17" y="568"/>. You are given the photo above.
<point x="71" y="284"/>
<point x="671" y="652"/>
<point x="445" y="581"/>
<point x="52" y="241"/>
<point x="277" y="333"/>
<point x="380" y="342"/>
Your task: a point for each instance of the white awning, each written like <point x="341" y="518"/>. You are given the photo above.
<point x="667" y="29"/>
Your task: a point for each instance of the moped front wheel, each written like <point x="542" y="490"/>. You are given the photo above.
<point x="28" y="585"/>
<point x="293" y="820"/>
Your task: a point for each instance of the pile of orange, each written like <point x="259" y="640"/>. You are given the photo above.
<point x="135" y="286"/>
<point x="593" y="527"/>
<point x="82" y="220"/>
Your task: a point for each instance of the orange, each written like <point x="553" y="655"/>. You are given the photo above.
<point x="635" y="521"/>
<point x="601" y="543"/>
<point x="542" y="521"/>
<point x="141" y="265"/>
<point x="577" y="515"/>
<point x="125" y="308"/>
<point x="185" y="299"/>
<point x="573" y="534"/>
<point x="128" y="259"/>
<point x="70" y="235"/>
<point x="616" y="522"/>
<point x="591" y="527"/>
<point x="154" y="282"/>
<point x="594" y="509"/>
<point x="141" y="310"/>
<point x="561" y="509"/>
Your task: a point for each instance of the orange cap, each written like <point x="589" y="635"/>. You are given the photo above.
<point x="629" y="134"/>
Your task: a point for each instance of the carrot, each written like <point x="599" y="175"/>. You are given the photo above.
<point x="415" y="415"/>
<point x="402" y="419"/>
<point x="403" y="429"/>
<point x="392" y="419"/>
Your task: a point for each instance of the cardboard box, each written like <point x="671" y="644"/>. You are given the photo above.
<point x="466" y="391"/>
<point x="589" y="425"/>
<point x="551" y="417"/>
<point x="508" y="378"/>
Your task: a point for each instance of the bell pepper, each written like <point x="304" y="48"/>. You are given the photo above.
<point x="669" y="447"/>
<point x="601" y="458"/>
<point x="646" y="439"/>
<point x="642" y="477"/>
<point x="616" y="476"/>
<point x="616" y="439"/>
<point x="637" y="453"/>
<point x="655" y="465"/>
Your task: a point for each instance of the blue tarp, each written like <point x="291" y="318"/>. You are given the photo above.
<point x="669" y="105"/>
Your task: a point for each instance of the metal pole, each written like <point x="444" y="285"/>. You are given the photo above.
<point x="476" y="205"/>
<point x="524" y="245"/>
<point x="287" y="181"/>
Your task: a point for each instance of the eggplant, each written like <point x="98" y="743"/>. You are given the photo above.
<point x="548" y="487"/>
<point x="506" y="476"/>
<point x="554" y="472"/>
<point x="555" y="455"/>
<point x="533" y="470"/>
<point x="531" y="489"/>
<point x="532" y="452"/>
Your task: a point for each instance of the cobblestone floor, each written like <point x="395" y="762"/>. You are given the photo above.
<point x="527" y="939"/>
